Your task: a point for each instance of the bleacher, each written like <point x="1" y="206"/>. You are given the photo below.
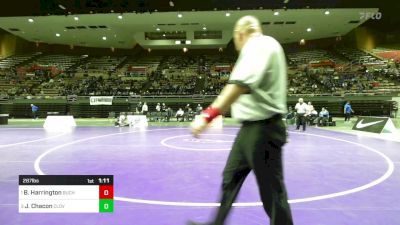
<point x="304" y="57"/>
<point x="16" y="60"/>
<point x="139" y="68"/>
<point x="359" y="57"/>
<point x="102" y="64"/>
<point x="178" y="74"/>
<point x="61" y="62"/>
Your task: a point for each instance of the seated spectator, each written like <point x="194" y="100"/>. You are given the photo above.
<point x="168" y="114"/>
<point x="199" y="109"/>
<point x="179" y="115"/>
<point x="145" y="109"/>
<point x="312" y="116"/>
<point x="122" y="121"/>
<point x="323" y="116"/>
<point x="189" y="115"/>
<point x="187" y="107"/>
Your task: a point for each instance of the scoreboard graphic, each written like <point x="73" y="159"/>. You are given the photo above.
<point x="66" y="194"/>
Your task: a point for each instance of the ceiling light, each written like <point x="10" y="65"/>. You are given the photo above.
<point x="177" y="42"/>
<point x="309" y="29"/>
<point x="120" y="17"/>
<point x="180" y="15"/>
<point x="327" y="12"/>
<point x="76" y="18"/>
<point x="104" y="38"/>
<point x="185" y="49"/>
<point x="163" y="35"/>
<point x="204" y="28"/>
<point x="276" y="13"/>
<point x="227" y="14"/>
<point x="188" y="42"/>
<point x="158" y="29"/>
<point x="30" y="20"/>
<point x="58" y="35"/>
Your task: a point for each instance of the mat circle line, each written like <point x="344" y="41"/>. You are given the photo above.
<point x="373" y="183"/>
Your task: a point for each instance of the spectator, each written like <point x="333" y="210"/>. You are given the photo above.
<point x="189" y="114"/>
<point x="323" y="116"/>
<point x="179" y="115"/>
<point x="168" y="114"/>
<point x="310" y="114"/>
<point x="122" y="121"/>
<point x="347" y="111"/>
<point x="187" y="107"/>
<point x="139" y="106"/>
<point x="145" y="109"/>
<point x="35" y="110"/>
<point x="158" y="107"/>
<point x="199" y="108"/>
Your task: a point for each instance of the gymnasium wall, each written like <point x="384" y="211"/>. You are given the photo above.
<point x="8" y="44"/>
<point x="20" y="108"/>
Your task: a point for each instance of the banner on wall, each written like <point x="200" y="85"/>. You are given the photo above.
<point x="101" y="100"/>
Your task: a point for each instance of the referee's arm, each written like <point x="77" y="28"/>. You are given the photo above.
<point x="228" y="95"/>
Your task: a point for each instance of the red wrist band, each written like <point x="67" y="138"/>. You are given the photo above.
<point x="210" y="113"/>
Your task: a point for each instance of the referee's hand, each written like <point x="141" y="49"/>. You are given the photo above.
<point x="198" y="125"/>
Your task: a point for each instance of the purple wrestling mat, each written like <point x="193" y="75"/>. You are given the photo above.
<point x="163" y="176"/>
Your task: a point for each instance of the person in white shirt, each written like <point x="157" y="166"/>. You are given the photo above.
<point x="179" y="114"/>
<point x="301" y="110"/>
<point x="256" y="94"/>
<point x="311" y="114"/>
<point x="158" y="107"/>
<point x="122" y="120"/>
<point x="145" y="109"/>
<point x="310" y="108"/>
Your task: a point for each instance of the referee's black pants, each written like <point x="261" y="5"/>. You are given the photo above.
<point x="347" y="117"/>
<point x="258" y="147"/>
<point x="301" y="119"/>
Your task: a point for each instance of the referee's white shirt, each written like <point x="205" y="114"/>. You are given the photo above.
<point x="261" y="67"/>
<point x="301" y="108"/>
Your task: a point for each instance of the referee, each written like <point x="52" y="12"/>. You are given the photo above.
<point x="257" y="93"/>
<point x="301" y="111"/>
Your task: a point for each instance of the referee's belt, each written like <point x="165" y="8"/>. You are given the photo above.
<point x="274" y="118"/>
